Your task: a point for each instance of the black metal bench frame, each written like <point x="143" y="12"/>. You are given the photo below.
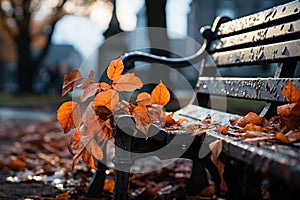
<point x="270" y="36"/>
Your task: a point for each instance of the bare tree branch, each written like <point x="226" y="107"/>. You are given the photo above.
<point x="58" y="15"/>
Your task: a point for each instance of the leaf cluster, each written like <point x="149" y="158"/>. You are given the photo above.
<point x="283" y="128"/>
<point x="96" y="124"/>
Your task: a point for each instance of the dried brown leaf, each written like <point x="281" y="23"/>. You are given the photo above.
<point x="142" y="119"/>
<point x="71" y="81"/>
<point x="251" y="117"/>
<point x="108" y="98"/>
<point x="104" y="86"/>
<point x="115" y="68"/>
<point x="253" y="127"/>
<point x="157" y="115"/>
<point x="222" y="129"/>
<point x="290" y="115"/>
<point x="89" y="91"/>
<point x="91" y="122"/>
<point x="291" y="93"/>
<point x="282" y="138"/>
<point x="96" y="150"/>
<point x="216" y="148"/>
<point x="144" y="99"/>
<point x="127" y="82"/>
<point x="293" y="136"/>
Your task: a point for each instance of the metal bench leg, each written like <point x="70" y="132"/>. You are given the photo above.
<point x="198" y="179"/>
<point x="96" y="187"/>
<point x="97" y="184"/>
<point x="122" y="162"/>
<point x="213" y="170"/>
<point x="242" y="181"/>
<point x="121" y="182"/>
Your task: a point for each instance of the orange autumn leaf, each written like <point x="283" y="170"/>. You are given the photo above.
<point x="161" y="94"/>
<point x="107" y="130"/>
<point x="91" y="162"/>
<point x="253" y="127"/>
<point x="69" y="115"/>
<point x="104" y="86"/>
<point x="142" y="119"/>
<point x="108" y="98"/>
<point x="286" y="110"/>
<point x="169" y="120"/>
<point x="253" y="118"/>
<point x="222" y="129"/>
<point x="291" y="93"/>
<point x="89" y="91"/>
<point x="127" y="82"/>
<point x="71" y="81"/>
<point x="290" y="115"/>
<point x="87" y="157"/>
<point x="250" y="118"/>
<point x="96" y="150"/>
<point x="74" y="141"/>
<point x="282" y="138"/>
<point x="293" y="136"/>
<point x="144" y="99"/>
<point x="115" y="68"/>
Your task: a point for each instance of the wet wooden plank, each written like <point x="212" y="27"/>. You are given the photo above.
<point x="269" y="89"/>
<point x="281" y="32"/>
<point x="270" y="159"/>
<point x="243" y="24"/>
<point x="271" y="53"/>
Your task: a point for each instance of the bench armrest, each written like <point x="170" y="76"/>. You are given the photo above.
<point x="134" y="56"/>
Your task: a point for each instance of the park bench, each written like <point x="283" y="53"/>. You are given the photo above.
<point x="267" y="37"/>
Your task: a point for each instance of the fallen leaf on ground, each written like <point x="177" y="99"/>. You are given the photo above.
<point x="291" y="93"/>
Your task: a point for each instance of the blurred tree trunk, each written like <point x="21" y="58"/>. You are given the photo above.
<point x="26" y="69"/>
<point x="23" y="30"/>
<point x="156" y="13"/>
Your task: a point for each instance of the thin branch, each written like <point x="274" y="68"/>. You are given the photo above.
<point x="58" y="15"/>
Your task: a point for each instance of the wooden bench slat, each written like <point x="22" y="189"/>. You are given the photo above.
<point x="262" y="36"/>
<point x="200" y="113"/>
<point x="271" y="53"/>
<point x="269" y="89"/>
<point x="284" y="166"/>
<point x="242" y="24"/>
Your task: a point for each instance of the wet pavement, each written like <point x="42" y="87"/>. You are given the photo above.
<point x="20" y="113"/>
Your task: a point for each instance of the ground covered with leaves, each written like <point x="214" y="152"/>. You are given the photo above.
<point x="36" y="164"/>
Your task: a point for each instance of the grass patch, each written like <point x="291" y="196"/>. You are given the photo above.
<point x="8" y="99"/>
<point x="237" y="105"/>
